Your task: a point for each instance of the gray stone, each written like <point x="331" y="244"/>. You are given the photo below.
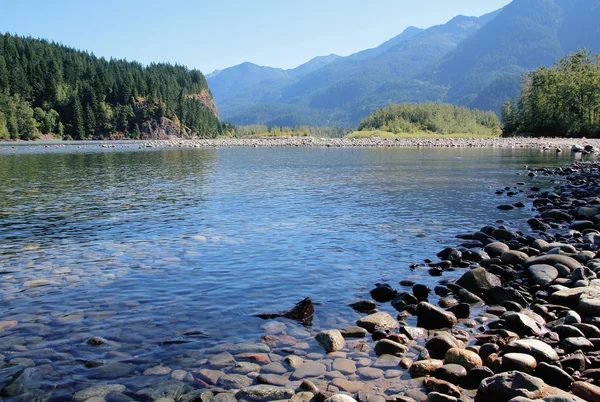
<point x="354" y="332"/>
<point x="233" y="381"/>
<point x="274" y="368"/>
<point x="340" y="398"/>
<point x="589" y="303"/>
<point x="543" y="274"/>
<point x="111" y="371"/>
<point x="553" y="259"/>
<point x="98" y="390"/>
<point x="308" y="370"/>
<point x="221" y="360"/>
<point x="331" y="340"/>
<point x="369" y="373"/>
<point x="378" y="320"/>
<point x="554" y="376"/>
<point x="388" y="347"/>
<point x="167" y="389"/>
<point x="518" y="361"/>
<point x="438" y="397"/>
<point x="542" y="352"/>
<point x="345" y="366"/>
<point x="496" y="249"/>
<point x="453" y="373"/>
<point x="513" y="257"/>
<point x="478" y="279"/>
<point x="509" y="385"/>
<point x="523" y="324"/>
<point x="430" y="316"/>
<point x="265" y="393"/>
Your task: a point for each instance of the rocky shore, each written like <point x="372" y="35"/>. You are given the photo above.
<point x="548" y="144"/>
<point x="515" y="316"/>
<point x="521" y="322"/>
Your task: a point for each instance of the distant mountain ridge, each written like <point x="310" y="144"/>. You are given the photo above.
<point x="469" y="61"/>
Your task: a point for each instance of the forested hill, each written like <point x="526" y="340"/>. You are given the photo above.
<point x="50" y="88"/>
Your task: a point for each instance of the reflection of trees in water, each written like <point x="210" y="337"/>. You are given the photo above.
<point x="51" y="197"/>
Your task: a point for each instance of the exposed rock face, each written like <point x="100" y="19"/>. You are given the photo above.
<point x="206" y="98"/>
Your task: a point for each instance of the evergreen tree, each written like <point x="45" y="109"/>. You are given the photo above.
<point x="78" y="95"/>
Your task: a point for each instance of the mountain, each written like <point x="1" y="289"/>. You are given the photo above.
<point x="525" y="35"/>
<point x="348" y="88"/>
<point x="312" y="65"/>
<point x="469" y="61"/>
<point x="46" y="88"/>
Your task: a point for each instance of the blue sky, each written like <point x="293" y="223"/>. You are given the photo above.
<point x="214" y="34"/>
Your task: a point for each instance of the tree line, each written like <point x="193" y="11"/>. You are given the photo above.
<point x="563" y="100"/>
<point x="433" y="118"/>
<point x="48" y="88"/>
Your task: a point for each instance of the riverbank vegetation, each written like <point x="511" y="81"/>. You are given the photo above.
<point x="430" y="119"/>
<point x="50" y="88"/>
<point x="558" y="101"/>
<point x="259" y="130"/>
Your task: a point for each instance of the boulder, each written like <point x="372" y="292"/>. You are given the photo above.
<point x="496" y="249"/>
<point x="553" y="259"/>
<point x="388" y="347"/>
<point x="505" y="386"/>
<point x="543" y="274"/>
<point x="424" y="368"/>
<point x="433" y="317"/>
<point x="478" y="280"/>
<point x="542" y="352"/>
<point x="554" y="376"/>
<point x="383" y="293"/>
<point x="302" y="312"/>
<point x="379" y="320"/>
<point x="587" y="391"/>
<point x="463" y="357"/>
<point x="513" y="257"/>
<point x="522" y="324"/>
<point x="518" y="361"/>
<point x="265" y="393"/>
<point x="331" y="340"/>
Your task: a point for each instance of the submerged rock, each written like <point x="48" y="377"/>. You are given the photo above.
<point x="302" y="312"/>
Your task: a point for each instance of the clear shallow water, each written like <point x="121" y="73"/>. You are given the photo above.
<point x="143" y="246"/>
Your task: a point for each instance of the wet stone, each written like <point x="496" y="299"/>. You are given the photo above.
<point x="308" y="370"/>
<point x="273" y="368"/>
<point x="453" y="373"/>
<point x="98" y="390"/>
<point x="223" y="359"/>
<point x="111" y="371"/>
<point x="348" y="386"/>
<point x="369" y="373"/>
<point x="265" y="393"/>
<point x="345" y="366"/>
<point x="233" y="381"/>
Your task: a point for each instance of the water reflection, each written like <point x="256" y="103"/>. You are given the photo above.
<point x="144" y="247"/>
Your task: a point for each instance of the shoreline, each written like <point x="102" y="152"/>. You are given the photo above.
<point x="437" y="352"/>
<point x="547" y="144"/>
<point x="511" y="309"/>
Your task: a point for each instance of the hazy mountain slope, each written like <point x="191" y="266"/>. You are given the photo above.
<point x="312" y="65"/>
<point x="484" y="69"/>
<point x="349" y="88"/>
<point x="234" y="80"/>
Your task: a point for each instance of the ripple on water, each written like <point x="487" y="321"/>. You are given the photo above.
<point x="168" y="254"/>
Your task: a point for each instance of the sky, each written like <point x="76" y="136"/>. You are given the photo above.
<point x="216" y="34"/>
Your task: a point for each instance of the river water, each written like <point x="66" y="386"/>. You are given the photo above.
<point x="169" y="252"/>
